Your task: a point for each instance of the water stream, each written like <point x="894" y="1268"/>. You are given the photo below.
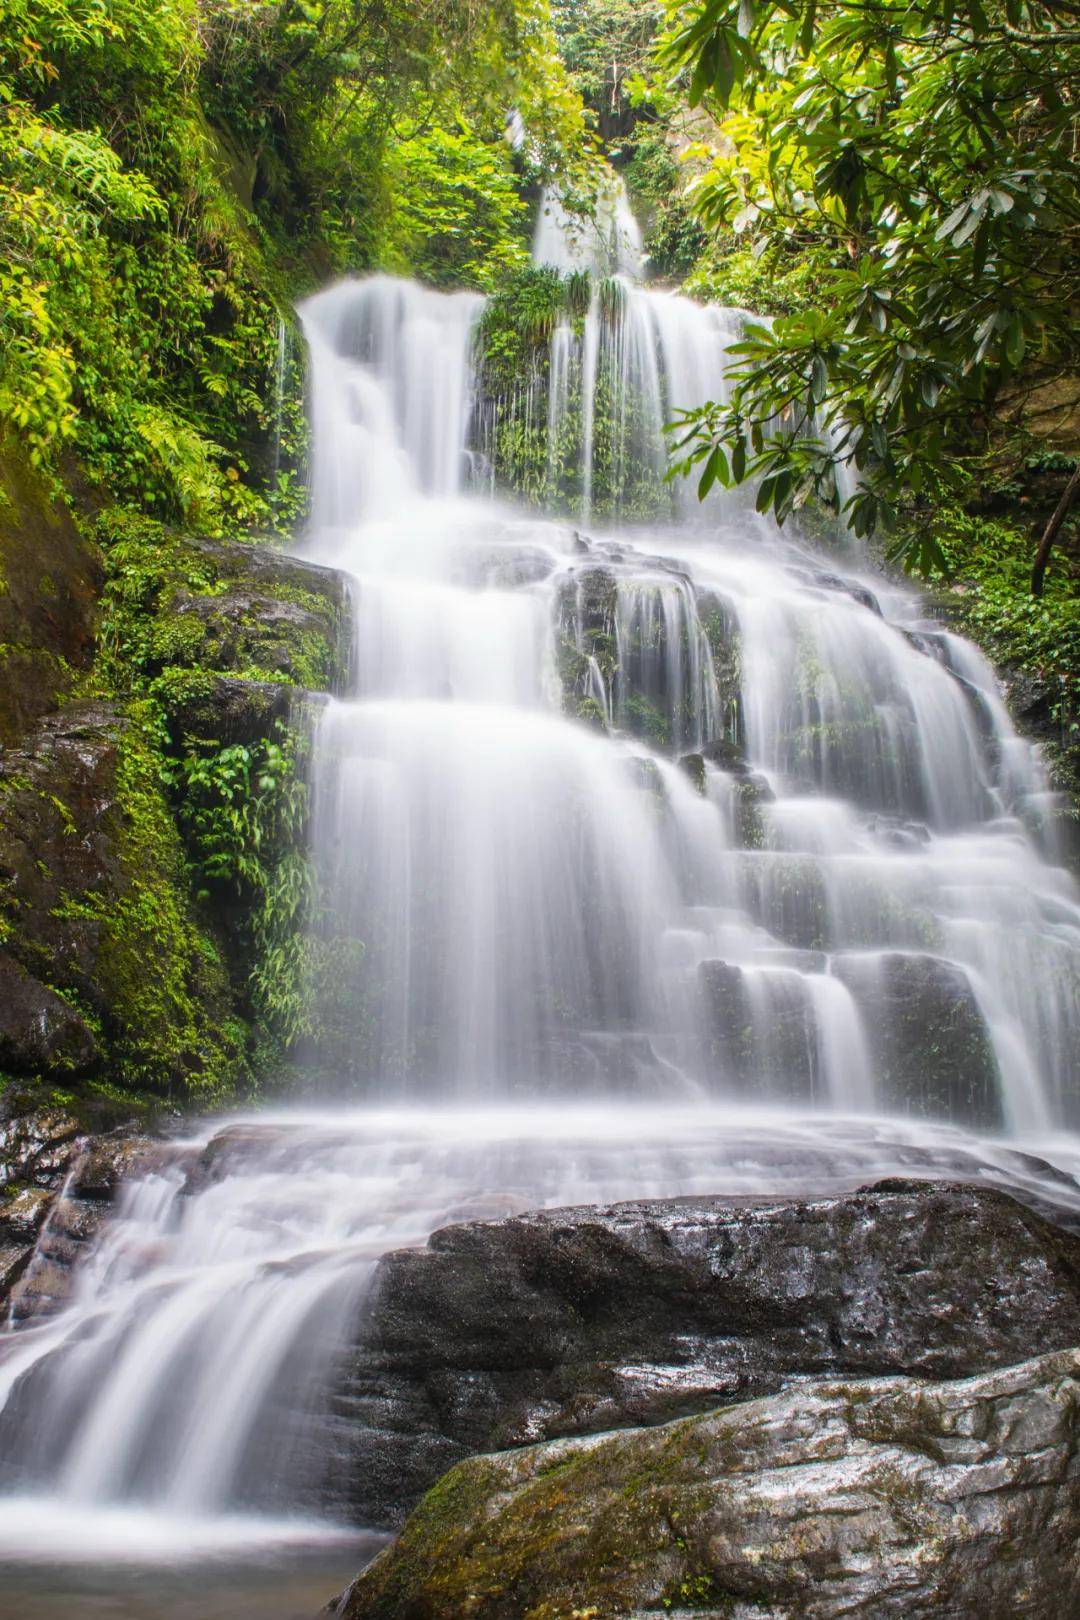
<point x="653" y="860"/>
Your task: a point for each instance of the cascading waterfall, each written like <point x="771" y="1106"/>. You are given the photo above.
<point x="678" y="816"/>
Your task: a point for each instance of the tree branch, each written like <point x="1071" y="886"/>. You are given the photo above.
<point x="1052" y="530"/>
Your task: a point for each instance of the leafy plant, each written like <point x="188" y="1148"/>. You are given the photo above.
<point x="921" y="156"/>
<point x="243" y="812"/>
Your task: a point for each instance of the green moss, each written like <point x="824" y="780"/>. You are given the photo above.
<point x="172" y="604"/>
<point x="161" y="974"/>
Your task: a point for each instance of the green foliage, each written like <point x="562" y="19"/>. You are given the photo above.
<point x="457" y="217"/>
<point x="519" y="319"/>
<point x="176" y="171"/>
<point x="525" y="455"/>
<point x="243" y="812"/>
<point x="921" y="158"/>
<point x="160" y="970"/>
<point x="173" y="610"/>
<point x="988" y="561"/>
<point x="608" y="46"/>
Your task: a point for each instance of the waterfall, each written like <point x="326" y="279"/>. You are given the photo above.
<point x="652" y="860"/>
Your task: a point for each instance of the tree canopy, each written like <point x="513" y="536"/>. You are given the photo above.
<point x="921" y="155"/>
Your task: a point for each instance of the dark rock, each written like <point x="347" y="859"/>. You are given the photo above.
<point x="37" y="1143"/>
<point x="751" y="793"/>
<point x="727" y="754"/>
<point x="785" y="892"/>
<point x="761" y="1034"/>
<point x="893" y="1499"/>
<point x="933" y="1054"/>
<point x="51" y="581"/>
<point x="229" y="710"/>
<point x="103" y="1162"/>
<point x="230" y="607"/>
<point x="587" y="603"/>
<point x="897" y="833"/>
<point x="694" y="767"/>
<point x="720" y="622"/>
<point x="836" y="582"/>
<point x="574" y="1321"/>
<point x="68" y="1185"/>
<point x="38" y="1029"/>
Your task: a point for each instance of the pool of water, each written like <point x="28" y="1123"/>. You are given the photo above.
<point x="279" y="1584"/>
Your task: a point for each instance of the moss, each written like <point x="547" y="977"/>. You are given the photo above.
<point x="48" y="598"/>
<point x="170" y="1023"/>
<point x="174" y="603"/>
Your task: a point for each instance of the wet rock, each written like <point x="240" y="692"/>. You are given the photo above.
<point x="38" y="1029"/>
<point x="694" y="767"/>
<point x="890" y="1498"/>
<point x="230" y="710"/>
<point x="897" y="833"/>
<point x="727" y="754"/>
<point x="503" y="567"/>
<point x="45" y="1229"/>
<point x="761" y="1032"/>
<point x="103" y="1162"/>
<point x="587" y="603"/>
<point x="862" y="594"/>
<point x="751" y="793"/>
<point x="720" y="622"/>
<point x="261" y="613"/>
<point x="37" y="1146"/>
<point x="570" y="1322"/>
<point x="37" y="1143"/>
<point x="933" y="1054"/>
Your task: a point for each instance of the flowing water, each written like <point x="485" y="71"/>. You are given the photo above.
<point x="656" y="859"/>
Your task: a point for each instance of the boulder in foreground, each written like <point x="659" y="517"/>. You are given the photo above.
<point x="577" y="1321"/>
<point x="892" y="1498"/>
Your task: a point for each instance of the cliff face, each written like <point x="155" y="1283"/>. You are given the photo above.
<point x="50" y="588"/>
<point x="121" y="661"/>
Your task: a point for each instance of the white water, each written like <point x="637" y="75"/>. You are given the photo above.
<point x="569" y="966"/>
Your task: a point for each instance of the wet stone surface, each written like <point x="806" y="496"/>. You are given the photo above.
<point x="570" y="1322"/>
<point x="890" y="1498"/>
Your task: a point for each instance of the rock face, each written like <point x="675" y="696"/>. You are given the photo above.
<point x="93" y="891"/>
<point x="259" y="611"/>
<point x="891" y="1499"/>
<point x="50" y="578"/>
<point x="934" y="1055"/>
<point x="575" y="1321"/>
<point x="94" y="885"/>
<point x="186" y="608"/>
<point x="57" y="1183"/>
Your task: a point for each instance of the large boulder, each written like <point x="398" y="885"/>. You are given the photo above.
<point x="573" y="1321"/>
<point x="890" y="1498"/>
<point x="178" y="603"/>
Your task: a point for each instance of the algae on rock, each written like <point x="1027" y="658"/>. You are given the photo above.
<point x="897" y="1498"/>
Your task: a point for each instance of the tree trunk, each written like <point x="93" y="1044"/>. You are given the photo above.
<point x="1050" y="533"/>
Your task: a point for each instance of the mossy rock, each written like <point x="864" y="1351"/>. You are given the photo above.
<point x="50" y="580"/>
<point x="96" y="915"/>
<point x="911" y="1499"/>
<point x="174" y="602"/>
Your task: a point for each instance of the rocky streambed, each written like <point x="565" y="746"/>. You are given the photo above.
<point x="858" y="1402"/>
